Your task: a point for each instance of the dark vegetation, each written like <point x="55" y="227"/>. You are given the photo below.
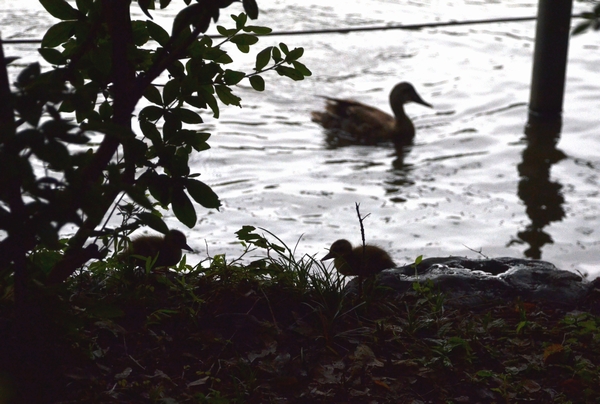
<point x="287" y="330"/>
<point x="276" y="330"/>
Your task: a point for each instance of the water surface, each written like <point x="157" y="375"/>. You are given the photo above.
<point x="456" y="191"/>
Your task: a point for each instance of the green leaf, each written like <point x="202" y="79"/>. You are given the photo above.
<point x="581" y="27"/>
<point x="171" y="91"/>
<point x="176" y="69"/>
<point x="197" y="15"/>
<point x="244" y="39"/>
<point x="263" y="58"/>
<point x="153" y="221"/>
<point x="289" y="72"/>
<point x="294" y="55"/>
<point x="84" y="5"/>
<point x="202" y="194"/>
<point x="284" y="48"/>
<point x="187" y="115"/>
<point x="106" y="111"/>
<point x="138" y="196"/>
<point x="300" y="68"/>
<point x="251" y="8"/>
<point x="153" y="95"/>
<point x="58" y="34"/>
<point x="171" y="126"/>
<point x="257" y="83"/>
<point x="145" y="5"/>
<point x="151" y="132"/>
<point x="60" y="9"/>
<point x="226" y="32"/>
<point x="233" y="77"/>
<point x="226" y="96"/>
<point x="159" y="187"/>
<point x="140" y="32"/>
<point x="243" y="48"/>
<point x="52" y="56"/>
<point x="195" y="139"/>
<point x="258" y="30"/>
<point x="240" y="20"/>
<point x="157" y="33"/>
<point x="151" y="113"/>
<point x="196" y="101"/>
<point x="210" y="100"/>
<point x="277" y="55"/>
<point x="183" y="208"/>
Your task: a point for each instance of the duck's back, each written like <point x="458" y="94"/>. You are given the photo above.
<point x="151" y="246"/>
<point x="376" y="260"/>
<point x="358" y="120"/>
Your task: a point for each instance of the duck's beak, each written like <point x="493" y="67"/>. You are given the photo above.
<point x="417" y="98"/>
<point x="328" y="256"/>
<point x="186" y="247"/>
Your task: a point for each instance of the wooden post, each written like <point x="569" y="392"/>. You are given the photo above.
<point x="550" y="61"/>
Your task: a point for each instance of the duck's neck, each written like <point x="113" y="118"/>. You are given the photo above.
<point x="399" y="113"/>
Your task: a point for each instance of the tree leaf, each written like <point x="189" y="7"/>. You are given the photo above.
<point x="300" y="68"/>
<point x="294" y="54"/>
<point x="244" y="39"/>
<point x="58" y="34"/>
<point x="151" y="132"/>
<point x="61" y="9"/>
<point x="145" y="5"/>
<point x="257" y="83"/>
<point x="226" y="96"/>
<point x="151" y="113"/>
<point x="232" y="77"/>
<point x="153" y="221"/>
<point x="258" y="30"/>
<point x="203" y="194"/>
<point x="153" y="95"/>
<point x="289" y="72"/>
<point x="183" y="208"/>
<point x="263" y="58"/>
<point x="157" y="33"/>
<point x="52" y="56"/>
<point x="251" y="8"/>
<point x="187" y="115"/>
<point x="170" y="91"/>
<point x="195" y="139"/>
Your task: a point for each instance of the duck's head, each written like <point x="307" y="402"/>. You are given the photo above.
<point x="338" y="249"/>
<point x="403" y="93"/>
<point x="177" y="239"/>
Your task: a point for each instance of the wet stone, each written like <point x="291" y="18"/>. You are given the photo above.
<point x="481" y="283"/>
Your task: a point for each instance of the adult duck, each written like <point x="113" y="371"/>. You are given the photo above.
<point x="358" y="261"/>
<point x="369" y="125"/>
<point x="166" y="250"/>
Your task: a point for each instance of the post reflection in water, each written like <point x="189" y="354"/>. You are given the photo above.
<point x="543" y="198"/>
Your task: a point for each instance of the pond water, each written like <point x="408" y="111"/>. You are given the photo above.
<point x="456" y="192"/>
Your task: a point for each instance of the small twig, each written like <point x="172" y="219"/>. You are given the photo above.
<point x="364" y="245"/>
<point x="477" y="252"/>
<point x="136" y="362"/>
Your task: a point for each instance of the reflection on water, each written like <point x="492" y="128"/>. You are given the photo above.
<point x="543" y="198"/>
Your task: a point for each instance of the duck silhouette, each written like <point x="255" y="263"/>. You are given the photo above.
<point x="166" y="250"/>
<point x="364" y="124"/>
<point x="358" y="261"/>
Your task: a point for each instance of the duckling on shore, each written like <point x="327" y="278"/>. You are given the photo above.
<point x="166" y="250"/>
<point x="359" y="261"/>
<point x="369" y="125"/>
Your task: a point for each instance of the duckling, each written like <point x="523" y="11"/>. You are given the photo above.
<point x="370" y="125"/>
<point x="168" y="249"/>
<point x="356" y="261"/>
